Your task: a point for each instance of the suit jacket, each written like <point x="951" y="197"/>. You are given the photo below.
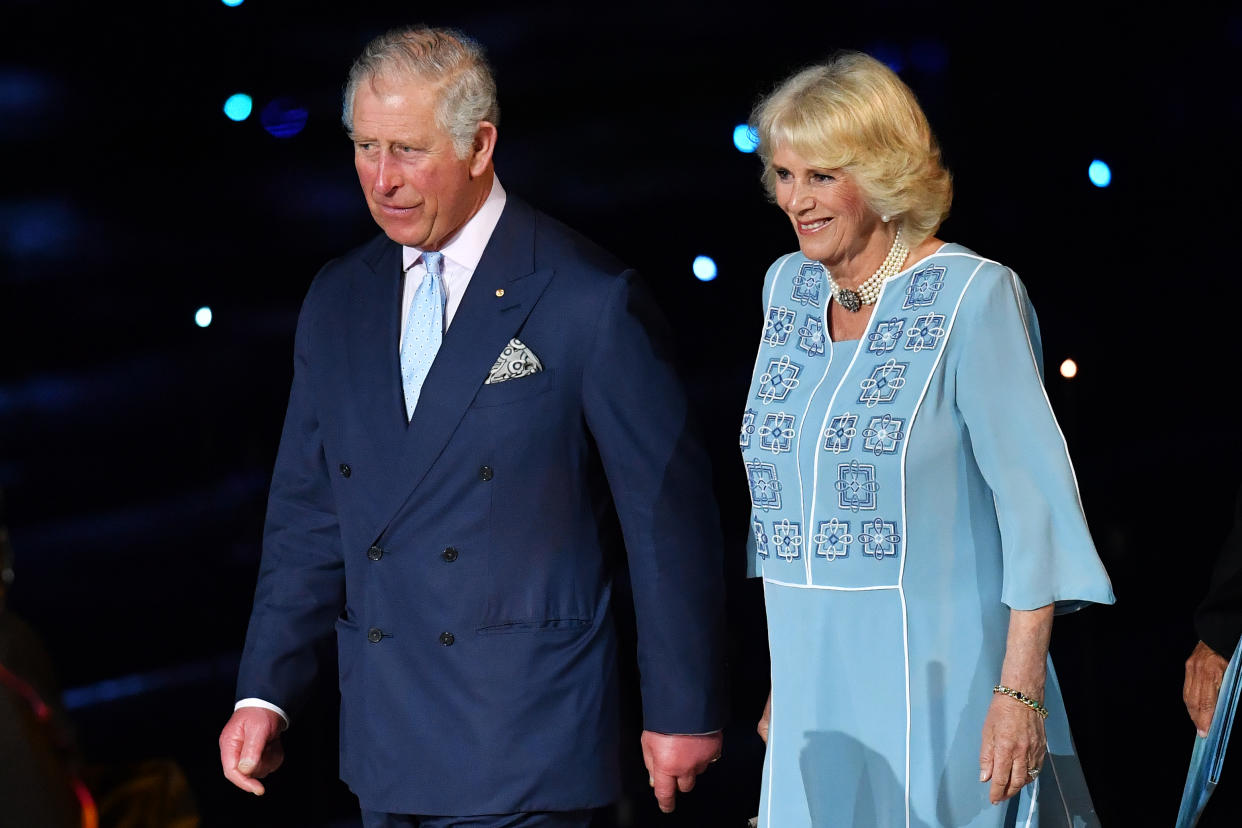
<point x="1218" y="620"/>
<point x="464" y="560"/>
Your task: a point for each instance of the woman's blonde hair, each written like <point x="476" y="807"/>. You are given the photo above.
<point x="855" y="114"/>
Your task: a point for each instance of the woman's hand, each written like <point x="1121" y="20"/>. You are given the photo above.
<point x="1013" y="748"/>
<point x="1014" y="742"/>
<point x="765" y="719"/>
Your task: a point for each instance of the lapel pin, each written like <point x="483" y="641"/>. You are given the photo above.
<point x="500" y="292"/>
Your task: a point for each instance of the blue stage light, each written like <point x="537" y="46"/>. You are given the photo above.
<point x="232" y="3"/>
<point x="238" y="107"/>
<point x="745" y="138"/>
<point x="202" y="317"/>
<point x="283" y="118"/>
<point x="704" y="268"/>
<point x="1100" y="174"/>
<point x="888" y="54"/>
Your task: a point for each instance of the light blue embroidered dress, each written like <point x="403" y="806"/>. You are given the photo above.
<point x="908" y="489"/>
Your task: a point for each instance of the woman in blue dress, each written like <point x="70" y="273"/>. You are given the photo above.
<point x="915" y="520"/>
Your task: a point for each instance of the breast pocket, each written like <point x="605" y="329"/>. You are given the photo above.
<point x="513" y="390"/>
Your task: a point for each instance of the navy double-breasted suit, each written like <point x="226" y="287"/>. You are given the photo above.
<point x="464" y="560"/>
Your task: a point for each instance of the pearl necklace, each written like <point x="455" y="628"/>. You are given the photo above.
<point x="869" y="291"/>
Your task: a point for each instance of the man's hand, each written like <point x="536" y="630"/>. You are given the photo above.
<point x="765" y="720"/>
<point x="1204" y="670"/>
<point x="250" y="747"/>
<point x="674" y="761"/>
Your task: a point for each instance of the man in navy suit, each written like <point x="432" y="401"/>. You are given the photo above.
<point x="459" y="536"/>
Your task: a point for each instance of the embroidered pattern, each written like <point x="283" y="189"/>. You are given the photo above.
<point x="885" y="336"/>
<point x="882" y="434"/>
<point x="924" y="286"/>
<point x="780" y="324"/>
<point x="787" y="538"/>
<point x="856" y="486"/>
<point x="833" y="539"/>
<point x="777" y="433"/>
<point x="840" y="433"/>
<point x="761" y="539"/>
<point x="811" y="336"/>
<point x="780" y="378"/>
<point x="925" y="333"/>
<point x="879" y="539"/>
<point x="748" y="428"/>
<point x="765" y="488"/>
<point x="884" y="383"/>
<point x="807" y="283"/>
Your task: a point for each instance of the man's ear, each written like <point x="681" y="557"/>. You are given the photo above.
<point x="482" y="149"/>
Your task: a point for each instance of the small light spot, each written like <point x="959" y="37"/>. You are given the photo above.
<point x="1099" y="173"/>
<point x="202" y="317"/>
<point x="745" y="138"/>
<point x="704" y="268"/>
<point x="1069" y="369"/>
<point x="283" y="117"/>
<point x="238" y="107"/>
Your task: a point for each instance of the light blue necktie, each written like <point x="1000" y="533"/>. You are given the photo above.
<point x="424" y="329"/>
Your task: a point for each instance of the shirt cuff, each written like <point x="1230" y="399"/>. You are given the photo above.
<point x="708" y="733"/>
<point x="266" y="706"/>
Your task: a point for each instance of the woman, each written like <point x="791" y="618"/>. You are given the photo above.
<point x="915" y="516"/>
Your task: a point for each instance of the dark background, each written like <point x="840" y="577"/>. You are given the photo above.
<point x="135" y="447"/>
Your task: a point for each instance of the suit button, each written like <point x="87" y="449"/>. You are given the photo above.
<point x="449" y="554"/>
<point x="375" y="553"/>
<point x="374" y="635"/>
<point x="485" y="473"/>
<point x="346" y="471"/>
<point x="447" y="639"/>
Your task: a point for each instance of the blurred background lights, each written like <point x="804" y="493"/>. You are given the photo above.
<point x="1099" y="173"/>
<point x="237" y="107"/>
<point x="704" y="268"/>
<point x="283" y="118"/>
<point x="202" y="316"/>
<point x="745" y="138"/>
<point x="1069" y="369"/>
<point x="889" y="54"/>
<point x="231" y="3"/>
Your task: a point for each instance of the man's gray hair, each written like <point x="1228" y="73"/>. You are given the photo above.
<point x="445" y="57"/>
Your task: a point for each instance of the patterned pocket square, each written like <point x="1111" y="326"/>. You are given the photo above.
<point x="515" y="361"/>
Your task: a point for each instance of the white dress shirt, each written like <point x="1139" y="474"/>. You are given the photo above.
<point x="461" y="256"/>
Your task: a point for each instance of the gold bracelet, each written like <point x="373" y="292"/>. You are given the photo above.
<point x="1038" y="707"/>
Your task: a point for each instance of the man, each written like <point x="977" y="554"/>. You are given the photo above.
<point x="479" y="395"/>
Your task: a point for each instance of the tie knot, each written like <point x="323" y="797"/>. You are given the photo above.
<point x="434" y="262"/>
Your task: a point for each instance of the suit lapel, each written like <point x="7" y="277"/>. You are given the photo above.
<point x="503" y="290"/>
<point x="372" y="337"/>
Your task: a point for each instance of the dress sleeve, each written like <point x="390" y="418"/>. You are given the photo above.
<point x="1048" y="554"/>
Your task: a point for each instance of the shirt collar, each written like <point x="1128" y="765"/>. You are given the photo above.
<point x="466" y="246"/>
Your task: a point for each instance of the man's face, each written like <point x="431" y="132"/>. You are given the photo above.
<point x="419" y="192"/>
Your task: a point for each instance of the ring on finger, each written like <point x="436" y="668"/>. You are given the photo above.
<point x="1033" y="772"/>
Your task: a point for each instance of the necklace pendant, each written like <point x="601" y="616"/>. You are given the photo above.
<point x="849" y="300"/>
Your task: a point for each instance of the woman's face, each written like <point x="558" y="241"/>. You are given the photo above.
<point x="828" y="211"/>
